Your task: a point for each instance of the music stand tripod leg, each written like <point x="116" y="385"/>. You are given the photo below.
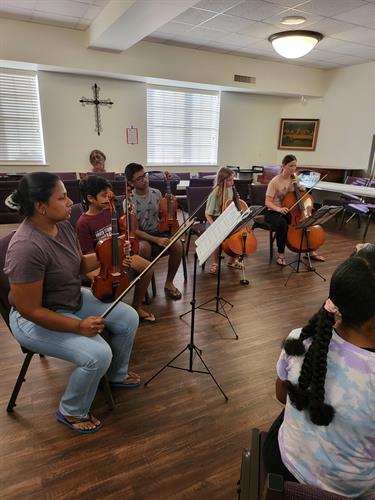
<point x="220" y="302"/>
<point x="191" y="347"/>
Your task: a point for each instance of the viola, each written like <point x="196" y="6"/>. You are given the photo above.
<point x="168" y="222"/>
<point x="112" y="279"/>
<point x="243" y="241"/>
<point x="128" y="222"/>
<point x="301" y="207"/>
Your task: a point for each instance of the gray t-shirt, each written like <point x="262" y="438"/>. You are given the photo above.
<point x="35" y="256"/>
<point x="147" y="209"/>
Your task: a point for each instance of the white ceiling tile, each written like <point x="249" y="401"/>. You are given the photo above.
<point x="330" y="26"/>
<point x="174" y="28"/>
<point x="255" y="10"/>
<point x="361" y="16"/>
<point x="223" y="45"/>
<point x="323" y="55"/>
<point x="330" y="7"/>
<point x="259" y="30"/>
<point x="286" y="3"/>
<point x="227" y="23"/>
<point x="92" y="12"/>
<point x="329" y="43"/>
<point x="348" y="60"/>
<point x="240" y="40"/>
<point x="63" y="7"/>
<point x="358" y="35"/>
<point x="217" y="5"/>
<point x="194" y="16"/>
<point x="205" y="34"/>
<point x="354" y="49"/>
<point x="19" y="4"/>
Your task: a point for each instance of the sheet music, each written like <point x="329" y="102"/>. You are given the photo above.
<point x="216" y="233"/>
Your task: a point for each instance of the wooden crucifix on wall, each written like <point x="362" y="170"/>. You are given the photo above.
<point x="96" y="102"/>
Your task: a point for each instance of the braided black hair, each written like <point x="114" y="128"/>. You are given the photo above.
<point x="352" y="290"/>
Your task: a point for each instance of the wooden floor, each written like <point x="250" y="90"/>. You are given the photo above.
<point x="177" y="438"/>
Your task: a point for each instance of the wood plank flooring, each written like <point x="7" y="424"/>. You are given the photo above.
<point x="177" y="438"/>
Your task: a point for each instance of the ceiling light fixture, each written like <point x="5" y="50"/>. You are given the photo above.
<point x="293" y="20"/>
<point x="294" y="44"/>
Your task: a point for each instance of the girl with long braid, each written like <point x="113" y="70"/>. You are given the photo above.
<point x="326" y="378"/>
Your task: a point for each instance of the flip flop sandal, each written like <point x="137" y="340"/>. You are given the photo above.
<point x="172" y="294"/>
<point x="77" y="420"/>
<point x="235" y="265"/>
<point x="317" y="258"/>
<point x="150" y="318"/>
<point x="131" y="381"/>
<point x="280" y="262"/>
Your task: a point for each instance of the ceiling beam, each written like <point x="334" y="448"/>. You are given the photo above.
<point x="122" y="24"/>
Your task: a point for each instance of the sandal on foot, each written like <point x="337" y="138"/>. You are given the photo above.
<point x="78" y="420"/>
<point x="213" y="268"/>
<point x="280" y="261"/>
<point x="172" y="294"/>
<point x="149" y="318"/>
<point x="316" y="257"/>
<point x="132" y="380"/>
<point x="235" y="265"/>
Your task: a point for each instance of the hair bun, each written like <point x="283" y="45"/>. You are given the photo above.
<point x="14" y="200"/>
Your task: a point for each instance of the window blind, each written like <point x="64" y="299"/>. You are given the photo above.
<point x="182" y="127"/>
<point x="21" y="137"/>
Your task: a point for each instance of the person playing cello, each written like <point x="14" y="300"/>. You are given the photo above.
<point x="224" y="177"/>
<point x="95" y="225"/>
<point x="277" y="214"/>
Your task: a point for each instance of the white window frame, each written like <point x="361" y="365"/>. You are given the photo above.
<point x="182" y="126"/>
<point x="21" y="131"/>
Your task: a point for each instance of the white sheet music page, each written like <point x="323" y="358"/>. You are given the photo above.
<point x="216" y="233"/>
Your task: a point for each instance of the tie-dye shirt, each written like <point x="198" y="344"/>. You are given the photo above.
<point x="339" y="457"/>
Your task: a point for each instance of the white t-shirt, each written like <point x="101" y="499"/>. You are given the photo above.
<point x="339" y="457"/>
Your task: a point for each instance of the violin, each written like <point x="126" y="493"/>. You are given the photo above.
<point x="243" y="241"/>
<point x="301" y="207"/>
<point x="112" y="279"/>
<point x="128" y="222"/>
<point x="168" y="222"/>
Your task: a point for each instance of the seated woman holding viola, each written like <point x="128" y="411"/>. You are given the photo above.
<point x="277" y="214"/>
<point x="51" y="314"/>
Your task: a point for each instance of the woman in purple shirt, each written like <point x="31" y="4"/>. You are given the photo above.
<point x="51" y="314"/>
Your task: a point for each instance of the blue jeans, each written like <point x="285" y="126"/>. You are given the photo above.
<point x="92" y="356"/>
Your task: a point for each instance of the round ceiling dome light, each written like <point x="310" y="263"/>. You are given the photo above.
<point x="293" y="20"/>
<point x="294" y="44"/>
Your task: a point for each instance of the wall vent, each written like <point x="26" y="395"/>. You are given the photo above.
<point x="245" y="79"/>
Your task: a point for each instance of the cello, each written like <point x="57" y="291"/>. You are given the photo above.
<point x="300" y="207"/>
<point x="168" y="222"/>
<point x="112" y="279"/>
<point x="243" y="241"/>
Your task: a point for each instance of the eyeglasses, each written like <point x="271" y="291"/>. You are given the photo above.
<point x="141" y="178"/>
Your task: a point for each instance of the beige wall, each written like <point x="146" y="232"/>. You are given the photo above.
<point x="347" y="118"/>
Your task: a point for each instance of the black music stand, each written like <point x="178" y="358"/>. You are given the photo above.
<point x="220" y="302"/>
<point x="191" y="347"/>
<point x="322" y="215"/>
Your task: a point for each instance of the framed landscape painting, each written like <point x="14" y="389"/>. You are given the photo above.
<point x="298" y="134"/>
